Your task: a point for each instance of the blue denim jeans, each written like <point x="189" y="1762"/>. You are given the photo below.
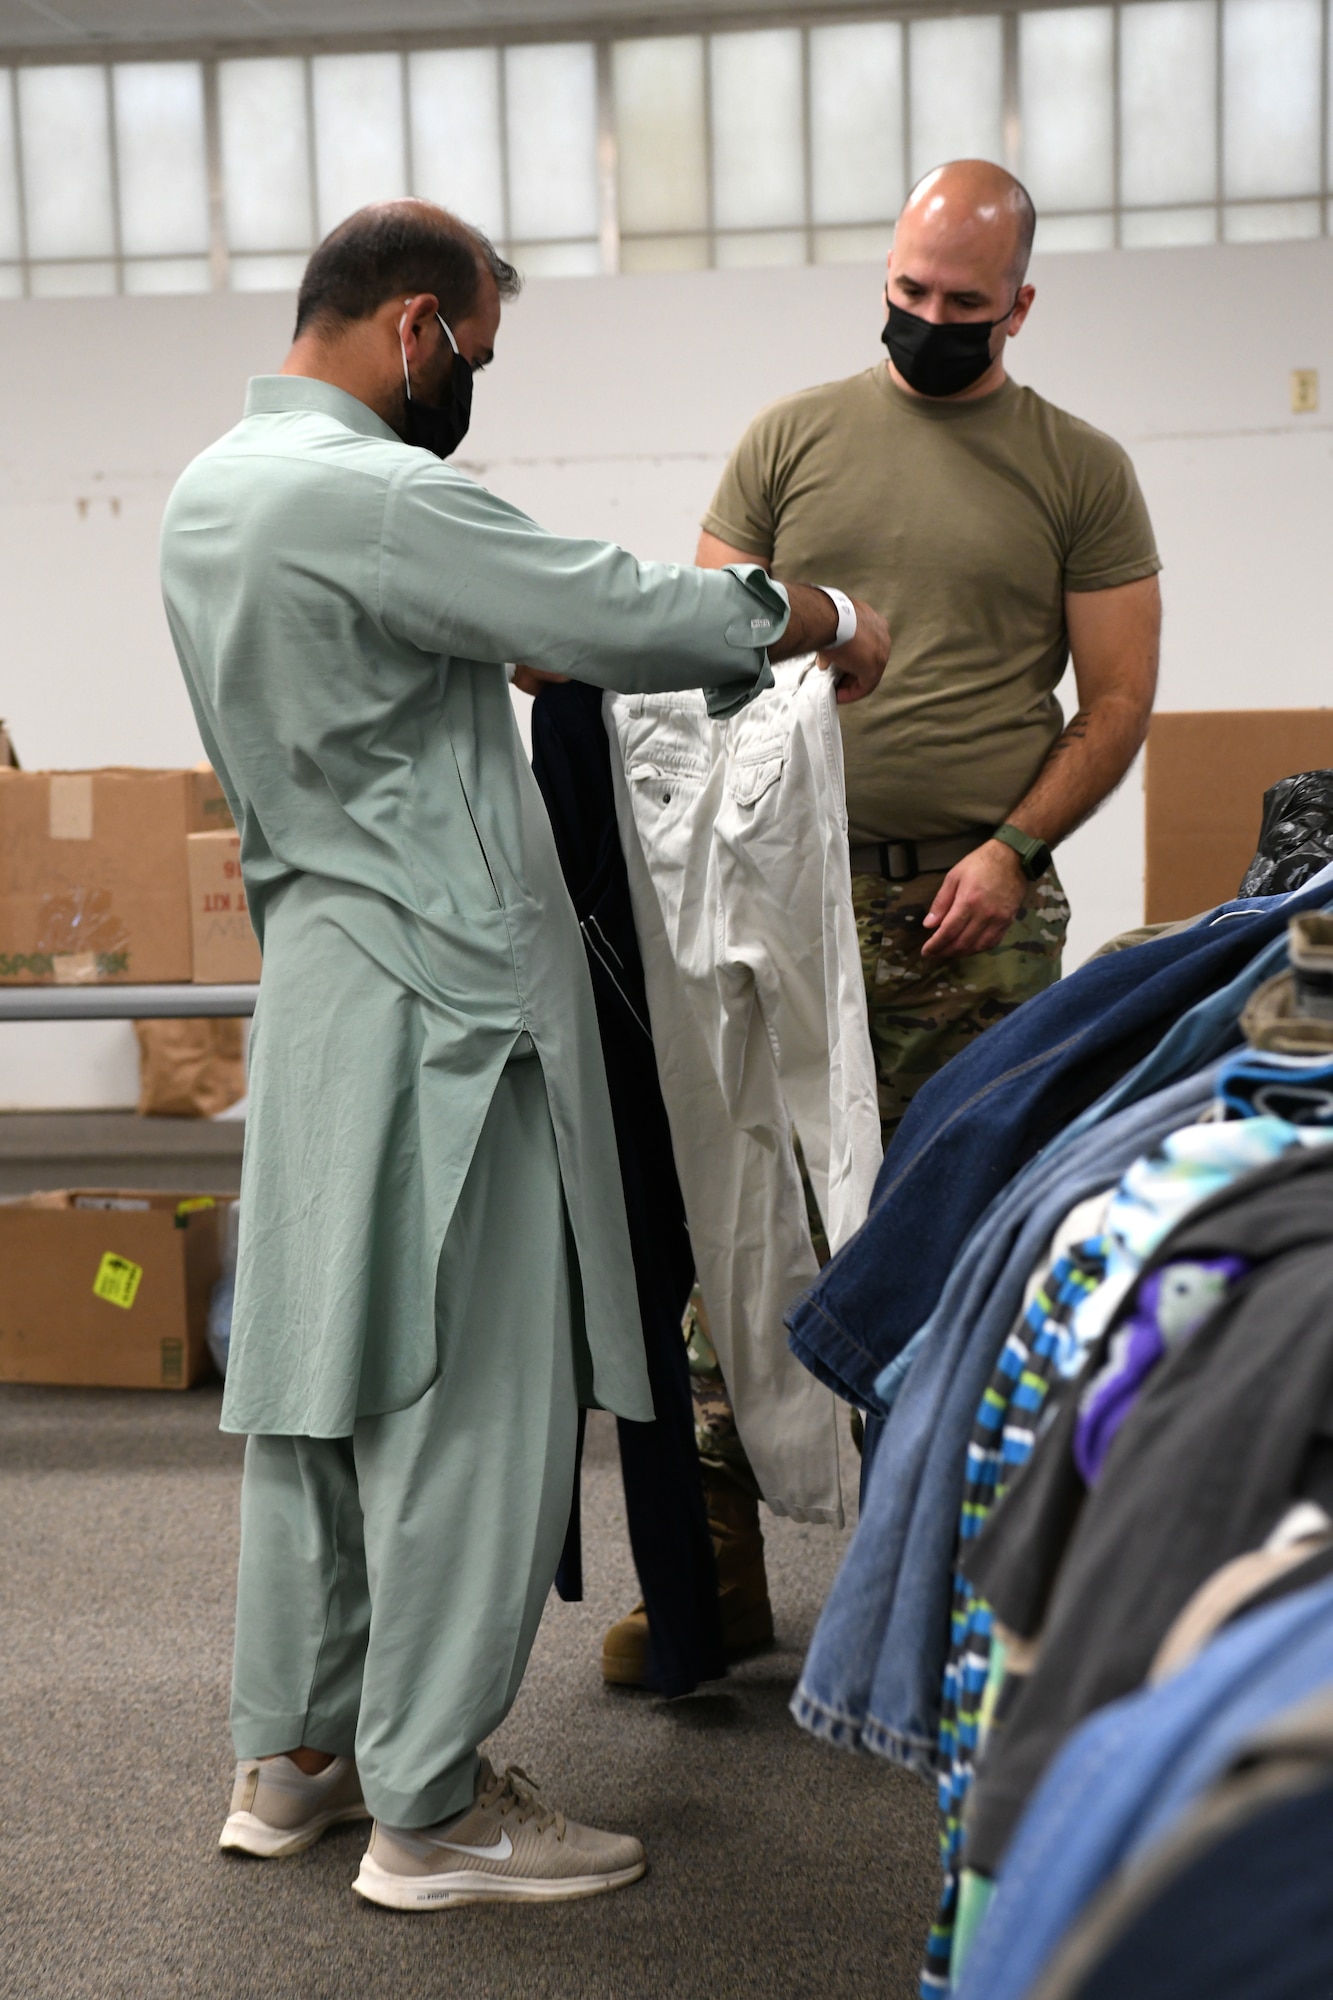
<point x="1130" y="1772"/>
<point x="874" y="1671"/>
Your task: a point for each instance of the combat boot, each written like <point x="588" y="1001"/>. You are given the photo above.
<point x="742" y="1582"/>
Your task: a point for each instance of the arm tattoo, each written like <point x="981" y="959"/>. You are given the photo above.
<point x="1074" y="732"/>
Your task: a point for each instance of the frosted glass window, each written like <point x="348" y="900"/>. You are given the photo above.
<point x="455" y="100"/>
<point x="762" y="247"/>
<point x="266" y="274"/>
<point x="1065" y="69"/>
<point x="11" y="239"/>
<point x="658" y="88"/>
<point x="856" y="122"/>
<point x="167" y="274"/>
<point x="957" y="91"/>
<point x="1270" y="96"/>
<point x="758" y="121"/>
<point x="551" y="135"/>
<point x="265" y="153"/>
<point x="66" y="161"/>
<point x="1270" y="221"/>
<point x="558" y="260"/>
<point x="11" y="282"/>
<point x="1167" y="228"/>
<point x="1168" y="102"/>
<point x="359" y="154"/>
<point x="664" y="253"/>
<point x="72" y="281"/>
<point x="163" y="179"/>
<point x="853" y="246"/>
<point x="1075" y="232"/>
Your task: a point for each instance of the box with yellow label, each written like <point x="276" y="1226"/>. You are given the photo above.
<point x="94" y="886"/>
<point x="226" y="950"/>
<point x="107" y="1289"/>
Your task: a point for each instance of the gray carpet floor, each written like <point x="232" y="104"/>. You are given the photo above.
<point x="778" y="1867"/>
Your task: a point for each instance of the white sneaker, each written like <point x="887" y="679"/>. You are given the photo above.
<point x="276" y="1809"/>
<point x="508" y="1847"/>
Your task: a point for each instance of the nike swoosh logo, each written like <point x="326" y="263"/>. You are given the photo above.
<point x="501" y="1851"/>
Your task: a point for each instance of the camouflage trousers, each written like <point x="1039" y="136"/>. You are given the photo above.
<point x="922" y="1012"/>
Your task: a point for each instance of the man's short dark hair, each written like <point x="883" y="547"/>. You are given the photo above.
<point x="396" y="249"/>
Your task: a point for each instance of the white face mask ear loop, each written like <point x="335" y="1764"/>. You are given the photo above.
<point x="448" y="331"/>
<point x="402" y="349"/>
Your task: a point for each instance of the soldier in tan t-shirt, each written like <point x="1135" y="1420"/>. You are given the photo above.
<point x="997" y="535"/>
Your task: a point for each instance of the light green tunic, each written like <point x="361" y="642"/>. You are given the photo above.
<point x="341" y="604"/>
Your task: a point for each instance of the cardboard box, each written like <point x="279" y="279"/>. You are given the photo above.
<point x="95" y="884"/>
<point x="226" y="950"/>
<point x="1205" y="779"/>
<point x="105" y="1289"/>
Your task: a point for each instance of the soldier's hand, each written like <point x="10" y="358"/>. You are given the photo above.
<point x="978" y="900"/>
<point x="858" y="666"/>
<point x="531" y="680"/>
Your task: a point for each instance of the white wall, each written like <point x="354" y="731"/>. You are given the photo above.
<point x="610" y="412"/>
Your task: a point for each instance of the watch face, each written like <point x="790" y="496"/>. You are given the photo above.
<point x="1037" y="860"/>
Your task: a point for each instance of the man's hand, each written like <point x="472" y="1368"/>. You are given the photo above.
<point x="858" y="666"/>
<point x="978" y="900"/>
<point x="531" y="680"/>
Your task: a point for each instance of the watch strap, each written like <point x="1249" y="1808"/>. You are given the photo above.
<point x="1033" y="852"/>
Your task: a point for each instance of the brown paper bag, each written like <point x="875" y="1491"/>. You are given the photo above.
<point x="190" y="1069"/>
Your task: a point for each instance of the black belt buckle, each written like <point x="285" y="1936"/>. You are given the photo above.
<point x="889" y="852"/>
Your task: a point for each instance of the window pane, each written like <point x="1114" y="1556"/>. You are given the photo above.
<point x="1075" y="232"/>
<point x="1270" y="96"/>
<point x="1270" y="221"/>
<point x="664" y="253"/>
<point x="856" y="122"/>
<point x="11" y="282"/>
<point x="774" y="246"/>
<point x="853" y="246"/>
<point x="1065" y="61"/>
<point x="72" y="281"/>
<point x="658" y="87"/>
<point x="10" y="238"/>
<point x="1168" y="101"/>
<point x="266" y="274"/>
<point x="265" y="153"/>
<point x="1168" y="228"/>
<point x="167" y="274"/>
<point x="66" y="161"/>
<point x="558" y="260"/>
<point x="160" y="157"/>
<point x="957" y="91"/>
<point x="758" y="120"/>
<point x="359" y="153"/>
<point x="455" y="99"/>
<point x="551" y="137"/>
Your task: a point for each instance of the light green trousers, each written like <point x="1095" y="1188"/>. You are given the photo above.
<point x="391" y="1583"/>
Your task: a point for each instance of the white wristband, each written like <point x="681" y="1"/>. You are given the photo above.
<point x="846" y="611"/>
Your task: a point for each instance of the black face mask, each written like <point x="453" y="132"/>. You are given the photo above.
<point x="940" y="360"/>
<point x="441" y="427"/>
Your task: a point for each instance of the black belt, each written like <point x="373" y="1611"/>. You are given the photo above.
<point x="904" y="860"/>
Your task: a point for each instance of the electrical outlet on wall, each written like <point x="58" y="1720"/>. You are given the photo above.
<point x="1304" y="391"/>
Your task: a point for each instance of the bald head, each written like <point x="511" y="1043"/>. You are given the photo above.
<point x="975" y="208"/>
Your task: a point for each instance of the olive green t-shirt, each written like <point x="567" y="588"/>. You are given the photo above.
<point x="964" y="523"/>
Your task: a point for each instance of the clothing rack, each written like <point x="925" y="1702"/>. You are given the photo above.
<point x="125" y="1003"/>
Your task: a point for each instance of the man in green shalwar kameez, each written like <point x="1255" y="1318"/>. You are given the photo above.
<point x="434" y="1269"/>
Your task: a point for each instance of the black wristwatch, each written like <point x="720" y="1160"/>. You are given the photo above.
<point x="1034" y="856"/>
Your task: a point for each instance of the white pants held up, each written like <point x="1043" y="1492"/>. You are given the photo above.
<point x="735" y="838"/>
